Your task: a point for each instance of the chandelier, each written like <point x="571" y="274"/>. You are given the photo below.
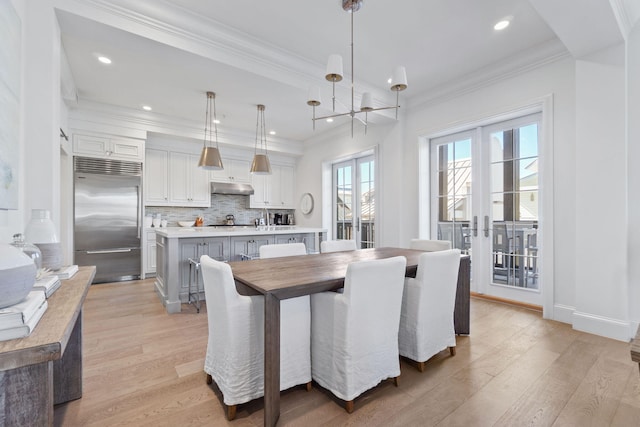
<point x="210" y="157"/>
<point x="334" y="74"/>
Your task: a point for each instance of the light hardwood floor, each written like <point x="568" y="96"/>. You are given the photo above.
<point x="144" y="367"/>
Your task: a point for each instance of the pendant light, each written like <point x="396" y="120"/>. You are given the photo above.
<point x="210" y="157"/>
<point x="260" y="164"/>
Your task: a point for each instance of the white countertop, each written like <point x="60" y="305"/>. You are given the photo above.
<point x="177" y="232"/>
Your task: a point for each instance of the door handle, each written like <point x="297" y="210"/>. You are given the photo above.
<point x="486" y="226"/>
<point x="109" y="251"/>
<point x="475" y="226"/>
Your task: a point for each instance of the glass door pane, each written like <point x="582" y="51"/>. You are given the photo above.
<point x="354" y="201"/>
<point x="343" y="202"/>
<point x="454" y="184"/>
<point x="367" y="199"/>
<point x="514" y="205"/>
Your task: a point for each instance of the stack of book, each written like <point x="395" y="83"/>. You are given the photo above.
<point x="19" y="320"/>
<point x="49" y="284"/>
<point x="66" y="272"/>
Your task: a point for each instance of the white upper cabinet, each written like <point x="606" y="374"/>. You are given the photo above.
<point x="188" y="184"/>
<point x="156" y="177"/>
<point x="235" y="170"/>
<point x="174" y="179"/>
<point x="108" y="147"/>
<point x="274" y="191"/>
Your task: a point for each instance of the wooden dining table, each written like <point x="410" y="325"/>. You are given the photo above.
<point x="289" y="277"/>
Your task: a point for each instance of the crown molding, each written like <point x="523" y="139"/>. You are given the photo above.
<point x="535" y="58"/>
<point x="627" y="14"/>
<point x="136" y="124"/>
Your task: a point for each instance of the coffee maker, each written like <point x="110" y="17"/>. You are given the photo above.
<point x="277" y="219"/>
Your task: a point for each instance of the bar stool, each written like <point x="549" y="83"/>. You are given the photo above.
<point x="194" y="297"/>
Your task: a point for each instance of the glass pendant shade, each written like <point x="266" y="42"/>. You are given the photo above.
<point x="334" y="68"/>
<point x="399" y="79"/>
<point x="210" y="159"/>
<point x="261" y="165"/>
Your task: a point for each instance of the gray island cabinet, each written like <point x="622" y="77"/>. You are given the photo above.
<point x="174" y="247"/>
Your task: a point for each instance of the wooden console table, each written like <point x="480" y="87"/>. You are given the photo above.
<point x="45" y="368"/>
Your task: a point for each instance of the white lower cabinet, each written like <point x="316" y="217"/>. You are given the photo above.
<point x="150" y="253"/>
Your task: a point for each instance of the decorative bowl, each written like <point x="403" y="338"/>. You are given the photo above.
<point x="186" y="223"/>
<point x="17" y="275"/>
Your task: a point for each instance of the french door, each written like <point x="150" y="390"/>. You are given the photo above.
<point x="485" y="201"/>
<point x="354" y="213"/>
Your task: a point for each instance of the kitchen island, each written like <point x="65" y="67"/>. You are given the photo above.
<point x="176" y="245"/>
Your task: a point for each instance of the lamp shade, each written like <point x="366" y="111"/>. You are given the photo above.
<point x="334" y="68"/>
<point x="261" y="165"/>
<point x="367" y="102"/>
<point x="399" y="79"/>
<point x="314" y="96"/>
<point x="210" y="159"/>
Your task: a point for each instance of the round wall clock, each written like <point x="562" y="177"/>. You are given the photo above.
<point x="306" y="203"/>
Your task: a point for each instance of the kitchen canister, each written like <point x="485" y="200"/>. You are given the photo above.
<point x="42" y="232"/>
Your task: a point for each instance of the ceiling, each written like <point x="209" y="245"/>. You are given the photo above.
<point x="168" y="54"/>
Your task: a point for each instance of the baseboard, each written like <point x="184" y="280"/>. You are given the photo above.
<point x="507" y="301"/>
<point x="563" y="313"/>
<point x="604" y="326"/>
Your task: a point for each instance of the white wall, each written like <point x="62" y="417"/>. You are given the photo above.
<point x="601" y="234"/>
<point x="325" y="149"/>
<point x="12" y="221"/>
<point x="633" y="177"/>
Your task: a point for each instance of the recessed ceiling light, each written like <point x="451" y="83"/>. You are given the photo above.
<point x="146" y="108"/>
<point x="329" y="120"/>
<point x="389" y="80"/>
<point x="272" y="132"/>
<point x="104" y="59"/>
<point x="501" y="25"/>
<point x="216" y="121"/>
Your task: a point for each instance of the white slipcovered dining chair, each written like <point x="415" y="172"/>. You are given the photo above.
<point x="337" y="246"/>
<point x="426" y="321"/>
<point x="235" y="350"/>
<point x="282" y="249"/>
<point x="430" y="245"/>
<point x="354" y="335"/>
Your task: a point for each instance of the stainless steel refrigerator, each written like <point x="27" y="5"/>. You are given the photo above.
<point x="107" y="217"/>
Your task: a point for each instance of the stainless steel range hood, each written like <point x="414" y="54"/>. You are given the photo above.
<point x="231" y="188"/>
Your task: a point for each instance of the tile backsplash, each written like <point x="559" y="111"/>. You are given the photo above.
<point x="221" y="206"/>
